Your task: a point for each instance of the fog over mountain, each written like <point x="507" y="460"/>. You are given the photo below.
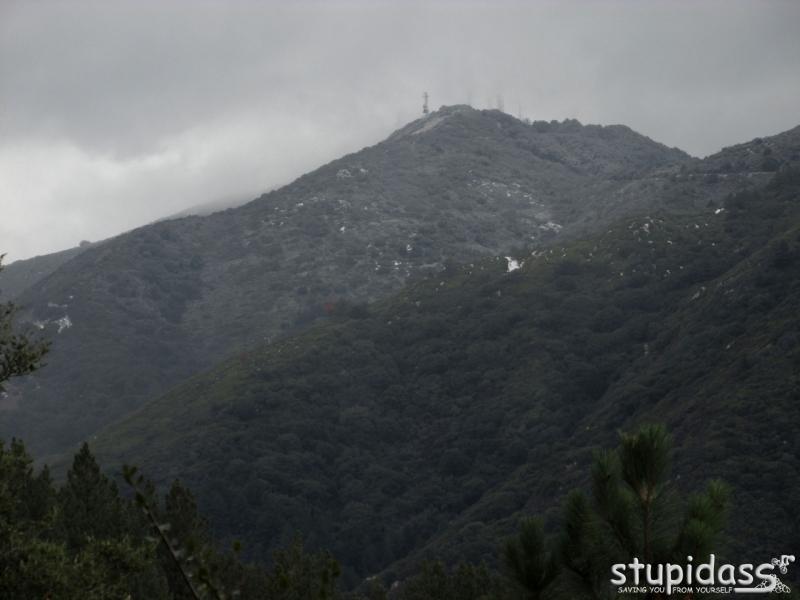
<point x="378" y="300"/>
<point x="117" y="115"/>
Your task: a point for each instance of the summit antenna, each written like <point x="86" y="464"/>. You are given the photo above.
<point x="425" y="110"/>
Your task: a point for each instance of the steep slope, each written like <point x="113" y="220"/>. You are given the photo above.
<point x="424" y="424"/>
<point x="136" y="314"/>
<point x="18" y="276"/>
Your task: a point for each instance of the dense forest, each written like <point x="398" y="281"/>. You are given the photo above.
<point x="86" y="540"/>
<point x="135" y="315"/>
<point x="424" y="437"/>
<point x="429" y="424"/>
<point x="423" y="300"/>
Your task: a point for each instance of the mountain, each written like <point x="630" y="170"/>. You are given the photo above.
<point x="18" y="276"/>
<point x="135" y="315"/>
<point x="212" y="206"/>
<point x="426" y="424"/>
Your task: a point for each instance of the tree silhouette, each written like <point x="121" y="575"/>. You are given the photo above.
<point x="19" y="354"/>
<point x="633" y="512"/>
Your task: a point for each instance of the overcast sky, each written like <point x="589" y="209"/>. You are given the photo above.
<point x="114" y="113"/>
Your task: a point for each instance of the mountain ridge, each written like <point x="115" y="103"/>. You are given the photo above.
<point x="135" y="315"/>
<point x="427" y="424"/>
<point x="21" y="274"/>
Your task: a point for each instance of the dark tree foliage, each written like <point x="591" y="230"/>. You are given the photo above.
<point x="161" y="548"/>
<point x="92" y="502"/>
<point x="417" y="428"/>
<point x="85" y="541"/>
<point x="530" y="563"/>
<point x="19" y="353"/>
<point x="634" y="511"/>
<point x="45" y="553"/>
<point x="465" y="582"/>
<point x="186" y="525"/>
<point x="297" y="574"/>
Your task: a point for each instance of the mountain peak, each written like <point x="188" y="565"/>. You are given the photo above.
<point x="598" y="150"/>
<point x="452" y="187"/>
<point x="431" y="120"/>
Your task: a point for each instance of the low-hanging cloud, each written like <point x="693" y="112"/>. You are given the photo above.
<point x="116" y="114"/>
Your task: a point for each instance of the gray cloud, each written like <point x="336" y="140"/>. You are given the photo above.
<point x="117" y="113"/>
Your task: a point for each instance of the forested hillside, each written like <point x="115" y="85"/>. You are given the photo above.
<point x="137" y="314"/>
<point x="84" y="540"/>
<point x="363" y="311"/>
<point x="425" y="424"/>
<point x="22" y="274"/>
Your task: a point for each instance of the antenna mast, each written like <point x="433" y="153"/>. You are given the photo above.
<point x="425" y="110"/>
